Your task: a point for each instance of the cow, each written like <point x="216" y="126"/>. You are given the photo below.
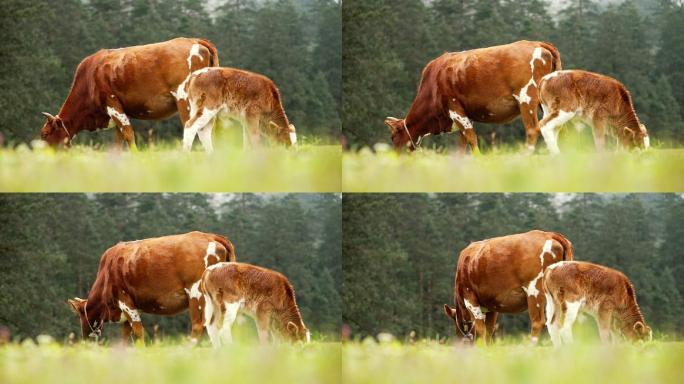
<point x="113" y="85"/>
<point x="149" y="276"/>
<point x="229" y="93"/>
<point x="503" y="275"/>
<point x="604" y="293"/>
<point x="488" y="85"/>
<point x="230" y="288"/>
<point x="601" y="101"/>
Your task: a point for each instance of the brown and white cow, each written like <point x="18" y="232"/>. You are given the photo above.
<point x="488" y="85"/>
<point x="503" y="275"/>
<point x="113" y="85"/>
<point x="150" y="276"/>
<point x="601" y="101"/>
<point x="229" y="93"/>
<point x="604" y="293"/>
<point x="267" y="296"/>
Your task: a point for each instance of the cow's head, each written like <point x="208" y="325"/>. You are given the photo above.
<point x="399" y="133"/>
<point x="640" y="332"/>
<point x="54" y="132"/>
<point x="296" y="332"/>
<point x="78" y="306"/>
<point x="464" y="327"/>
<point x="284" y="134"/>
<point x="635" y="138"/>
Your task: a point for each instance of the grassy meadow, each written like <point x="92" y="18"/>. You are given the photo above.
<point x="165" y="168"/>
<point x="431" y="362"/>
<point x="170" y="362"/>
<point x="512" y="170"/>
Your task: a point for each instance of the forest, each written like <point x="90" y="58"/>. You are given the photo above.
<point x="388" y="42"/>
<point x="50" y="247"/>
<point x="296" y="43"/>
<point x="400" y="252"/>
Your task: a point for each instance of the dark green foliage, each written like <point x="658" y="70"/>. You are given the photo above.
<point x="400" y="251"/>
<point x="295" y="43"/>
<point x="387" y="44"/>
<point x="51" y="244"/>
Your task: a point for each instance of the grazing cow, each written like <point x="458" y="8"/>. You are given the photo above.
<point x="150" y="276"/>
<point x="267" y="296"/>
<point x="599" y="100"/>
<point x="488" y="85"/>
<point x="113" y="85"/>
<point x="228" y="93"/>
<point x="602" y="292"/>
<point x="503" y="275"/>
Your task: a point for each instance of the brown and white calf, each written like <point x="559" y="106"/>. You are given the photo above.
<point x="229" y="93"/>
<point x="227" y="289"/>
<point x="601" y="101"/>
<point x="503" y="275"/>
<point x="604" y="293"/>
<point x="488" y="85"/>
<point x="113" y="85"/>
<point x="150" y="276"/>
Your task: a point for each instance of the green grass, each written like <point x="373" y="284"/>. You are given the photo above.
<point x="510" y="170"/>
<point x="310" y="168"/>
<point x="170" y="363"/>
<point x="430" y="362"/>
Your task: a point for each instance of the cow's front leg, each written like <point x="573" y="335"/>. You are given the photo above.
<point x="132" y="316"/>
<point x="490" y="325"/>
<point x="116" y="113"/>
<point x="126" y="331"/>
<point x="465" y="127"/>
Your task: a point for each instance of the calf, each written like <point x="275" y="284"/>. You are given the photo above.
<point x="267" y="296"/>
<point x="226" y="93"/>
<point x="599" y="100"/>
<point x="604" y="293"/>
<point x="503" y="275"/>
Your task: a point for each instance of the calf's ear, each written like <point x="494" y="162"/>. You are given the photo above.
<point x="629" y="131"/>
<point x="292" y="327"/>
<point x="451" y="312"/>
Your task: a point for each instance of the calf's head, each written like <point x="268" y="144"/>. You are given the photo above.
<point x="296" y="332"/>
<point x="639" y="332"/>
<point x="399" y="133"/>
<point x="54" y="132"/>
<point x="284" y="134"/>
<point x="78" y="306"/>
<point x="635" y="138"/>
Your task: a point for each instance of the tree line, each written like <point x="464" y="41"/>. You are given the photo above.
<point x="294" y="42"/>
<point x="400" y="251"/>
<point x="387" y="44"/>
<point x="51" y="244"/>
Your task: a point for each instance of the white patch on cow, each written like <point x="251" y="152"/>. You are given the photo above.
<point x="211" y="251"/>
<point x="194" y="51"/>
<point x="550" y="130"/>
<point x="133" y="314"/>
<point x="546" y="249"/>
<point x="202" y="123"/>
<point x="523" y="97"/>
<point x="293" y="138"/>
<point x="464" y="121"/>
<point x="194" y="292"/>
<point x="531" y="112"/>
<point x="647" y="142"/>
<point x="531" y="289"/>
<point x="550" y="325"/>
<point x="476" y="311"/>
<point x="113" y="113"/>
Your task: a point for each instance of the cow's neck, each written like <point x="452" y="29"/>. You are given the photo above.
<point x="421" y="123"/>
<point x="79" y="113"/>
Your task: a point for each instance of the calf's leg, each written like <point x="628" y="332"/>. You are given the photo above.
<point x="571" y="310"/>
<point x="552" y="320"/>
<point x="229" y="317"/>
<point x="550" y="126"/>
<point x="203" y="118"/>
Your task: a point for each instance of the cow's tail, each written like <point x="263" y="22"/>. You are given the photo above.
<point x="557" y="66"/>
<point x="214" y="58"/>
<point x="230" y="249"/>
<point x="567" y="245"/>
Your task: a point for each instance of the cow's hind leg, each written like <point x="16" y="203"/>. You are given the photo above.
<point x="535" y="308"/>
<point x="528" y="105"/>
<point x="201" y="120"/>
<point x="116" y="113"/>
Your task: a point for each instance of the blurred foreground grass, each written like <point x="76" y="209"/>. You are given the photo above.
<point x="311" y="168"/>
<point x="656" y="170"/>
<point x="169" y="363"/>
<point x="656" y="362"/>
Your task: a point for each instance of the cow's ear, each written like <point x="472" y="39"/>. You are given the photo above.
<point x="76" y="305"/>
<point x="390" y="122"/>
<point x="49" y="116"/>
<point x="451" y="312"/>
<point x="292" y="327"/>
